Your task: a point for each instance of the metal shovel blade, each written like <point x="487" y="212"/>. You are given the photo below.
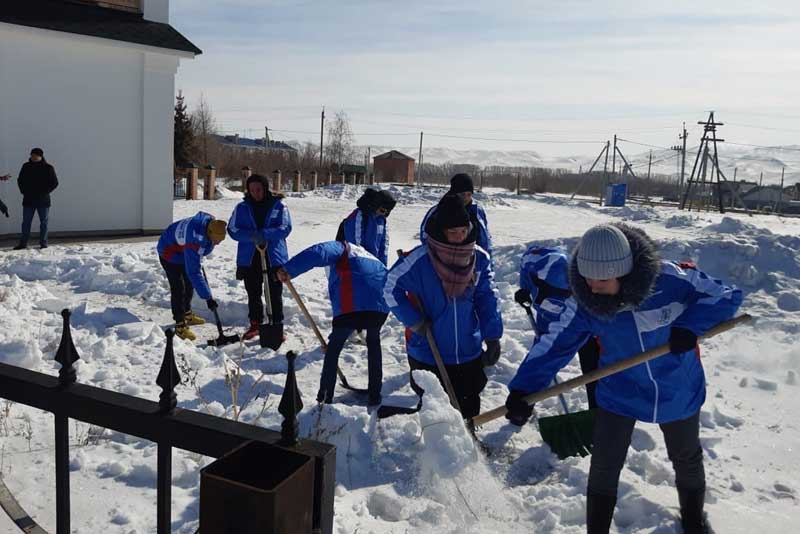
<point x="223" y="340"/>
<point x="270" y="335"/>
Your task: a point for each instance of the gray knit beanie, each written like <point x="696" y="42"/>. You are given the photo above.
<point x="604" y="253"/>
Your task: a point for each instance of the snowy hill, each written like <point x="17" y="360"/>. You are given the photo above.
<point x="415" y="473"/>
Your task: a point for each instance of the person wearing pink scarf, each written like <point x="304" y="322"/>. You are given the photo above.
<point x="447" y="285"/>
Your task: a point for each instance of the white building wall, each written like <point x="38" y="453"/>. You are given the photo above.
<point x="102" y="112"/>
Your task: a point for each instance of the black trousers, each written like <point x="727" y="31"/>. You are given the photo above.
<point x="612" y="437"/>
<point x="180" y="289"/>
<point x="468" y="381"/>
<point x="589" y="356"/>
<point x="254" y="285"/>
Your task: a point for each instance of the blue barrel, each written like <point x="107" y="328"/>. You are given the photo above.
<point x="615" y="195"/>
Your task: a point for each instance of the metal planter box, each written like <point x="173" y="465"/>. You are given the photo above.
<point x="257" y="489"/>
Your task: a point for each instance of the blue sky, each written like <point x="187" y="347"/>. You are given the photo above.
<point x="515" y="73"/>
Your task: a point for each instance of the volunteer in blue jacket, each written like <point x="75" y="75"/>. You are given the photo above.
<point x="261" y="219"/>
<point x="367" y="225"/>
<point x="447" y="285"/>
<point x="181" y="249"/>
<point x="461" y="185"/>
<point x="544" y="286"/>
<point x="355" y="287"/>
<point x="632" y="301"/>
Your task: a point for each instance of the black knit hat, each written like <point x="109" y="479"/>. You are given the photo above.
<point x="386" y="200"/>
<point x="461" y="183"/>
<point x="38" y="152"/>
<point x="260" y="178"/>
<point x="451" y="213"/>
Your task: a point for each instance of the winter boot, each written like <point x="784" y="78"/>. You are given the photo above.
<point x="183" y="332"/>
<point x="693" y="520"/>
<point x="252" y="331"/>
<point x="194" y="320"/>
<point x="599" y="512"/>
<point x="21" y="246"/>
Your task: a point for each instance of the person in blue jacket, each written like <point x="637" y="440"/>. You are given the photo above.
<point x="181" y="248"/>
<point x="461" y="185"/>
<point x="367" y="225"/>
<point x="355" y="287"/>
<point x="260" y="220"/>
<point x="633" y="301"/>
<point x="447" y="286"/>
<point x="544" y="286"/>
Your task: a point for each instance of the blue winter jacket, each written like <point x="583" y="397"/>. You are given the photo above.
<point x="355" y="277"/>
<point x="667" y="388"/>
<point x="277" y="227"/>
<point x="476" y="213"/>
<point x="186" y="242"/>
<point x="368" y="230"/>
<point x="543" y="272"/>
<point x="459" y="325"/>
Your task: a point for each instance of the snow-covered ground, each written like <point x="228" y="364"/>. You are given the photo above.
<point x="415" y="473"/>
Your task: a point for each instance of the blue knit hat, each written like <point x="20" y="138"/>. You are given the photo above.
<point x="604" y="253"/>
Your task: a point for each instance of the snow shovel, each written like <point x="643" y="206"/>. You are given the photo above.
<point x="563" y="438"/>
<point x="577" y="427"/>
<point x="301" y="304"/>
<point x="270" y="335"/>
<point x="222" y="340"/>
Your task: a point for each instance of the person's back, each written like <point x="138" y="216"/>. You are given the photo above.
<point x="367" y="225"/>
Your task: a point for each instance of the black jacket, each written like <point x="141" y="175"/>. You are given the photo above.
<point x="36" y="181"/>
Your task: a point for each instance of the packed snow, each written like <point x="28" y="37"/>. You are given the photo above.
<point x="408" y="473"/>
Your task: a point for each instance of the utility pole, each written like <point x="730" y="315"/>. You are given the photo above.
<point x="776" y="208"/>
<point x="605" y="174"/>
<point x="366" y="166"/>
<point x="321" y="135"/>
<point x="614" y="161"/>
<point x="266" y="139"/>
<point x="649" y="164"/>
<point x="419" y="167"/>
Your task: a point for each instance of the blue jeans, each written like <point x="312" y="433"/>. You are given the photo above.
<point x="336" y="341"/>
<point x="27" y="219"/>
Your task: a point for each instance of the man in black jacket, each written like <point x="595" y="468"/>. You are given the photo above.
<point x="37" y="179"/>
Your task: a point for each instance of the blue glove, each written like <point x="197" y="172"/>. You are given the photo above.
<point x="258" y="239"/>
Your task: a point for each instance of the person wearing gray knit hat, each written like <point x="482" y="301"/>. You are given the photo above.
<point x="604" y="253"/>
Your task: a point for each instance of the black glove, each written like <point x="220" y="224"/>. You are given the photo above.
<point x="258" y="239"/>
<point x="212" y="304"/>
<point x="492" y="352"/>
<point x="519" y="411"/>
<point x="421" y="328"/>
<point x="681" y="340"/>
<point x="523" y="297"/>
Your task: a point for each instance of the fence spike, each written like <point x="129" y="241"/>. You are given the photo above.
<point x="66" y="354"/>
<point x="168" y="377"/>
<point x="290" y="404"/>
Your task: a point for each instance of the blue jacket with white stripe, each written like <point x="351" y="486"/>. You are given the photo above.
<point x="186" y="242"/>
<point x="277" y="227"/>
<point x="355" y="277"/>
<point x="655" y="297"/>
<point x="476" y="214"/>
<point x="459" y="324"/>
<point x="368" y="230"/>
<point x="543" y="272"/>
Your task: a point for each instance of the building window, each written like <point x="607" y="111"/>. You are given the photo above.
<point x="134" y="6"/>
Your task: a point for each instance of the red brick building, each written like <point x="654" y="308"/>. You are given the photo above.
<point x="393" y="166"/>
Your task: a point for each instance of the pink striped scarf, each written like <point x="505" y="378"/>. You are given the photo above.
<point x="454" y="264"/>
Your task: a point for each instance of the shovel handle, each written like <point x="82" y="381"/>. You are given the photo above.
<point x="265" y="272"/>
<point x="448" y="385"/>
<point x="603" y="372"/>
<point x="307" y="315"/>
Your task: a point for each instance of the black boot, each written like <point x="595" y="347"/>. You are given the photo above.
<point x="21" y="246"/>
<point x="599" y="511"/>
<point x="693" y="520"/>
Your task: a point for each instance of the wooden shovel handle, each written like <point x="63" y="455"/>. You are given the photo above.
<point x="307" y="315"/>
<point x="603" y="372"/>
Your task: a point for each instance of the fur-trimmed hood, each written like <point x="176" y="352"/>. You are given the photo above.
<point x="635" y="287"/>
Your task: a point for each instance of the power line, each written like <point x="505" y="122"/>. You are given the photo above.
<point x="641" y="144"/>
<point x="515" y="140"/>
<point x="764" y="146"/>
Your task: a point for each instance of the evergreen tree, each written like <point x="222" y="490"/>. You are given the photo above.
<point x="184" y="133"/>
